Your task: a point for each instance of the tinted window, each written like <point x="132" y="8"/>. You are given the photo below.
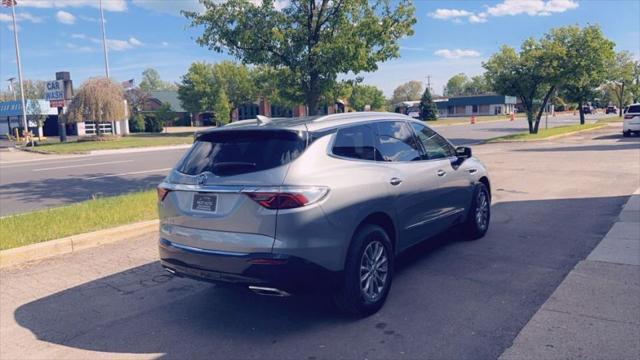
<point x="435" y="146"/>
<point x="356" y="142"/>
<point x="634" y="109"/>
<point x="396" y="142"/>
<point x="242" y="151"/>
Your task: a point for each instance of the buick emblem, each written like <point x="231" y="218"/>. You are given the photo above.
<point x="201" y="179"/>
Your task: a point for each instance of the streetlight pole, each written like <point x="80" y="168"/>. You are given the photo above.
<point x="12" y="4"/>
<point x="104" y="41"/>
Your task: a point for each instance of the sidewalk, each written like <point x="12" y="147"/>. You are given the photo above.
<point x="595" y="312"/>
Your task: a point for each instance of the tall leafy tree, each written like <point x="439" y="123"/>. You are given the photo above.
<point x="621" y="77"/>
<point x="221" y="107"/>
<point x="408" y="91"/>
<point x="363" y="95"/>
<point x="587" y="55"/>
<point x="531" y="74"/>
<point x="456" y="85"/>
<point x="314" y="39"/>
<point x="151" y="81"/>
<point x="236" y="81"/>
<point x="428" y="109"/>
<point x="196" y="92"/>
<point x="476" y="86"/>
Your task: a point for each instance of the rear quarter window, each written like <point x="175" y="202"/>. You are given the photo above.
<point x="634" y="109"/>
<point x="234" y="152"/>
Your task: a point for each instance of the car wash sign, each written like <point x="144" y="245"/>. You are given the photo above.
<point x="54" y="93"/>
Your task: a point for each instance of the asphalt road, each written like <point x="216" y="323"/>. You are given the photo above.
<point x="54" y="180"/>
<point x="451" y="299"/>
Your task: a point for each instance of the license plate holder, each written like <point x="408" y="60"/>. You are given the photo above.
<point x="207" y="203"/>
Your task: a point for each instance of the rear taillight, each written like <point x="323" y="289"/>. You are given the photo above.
<point x="287" y="197"/>
<point x="162" y="193"/>
<point x="628" y="117"/>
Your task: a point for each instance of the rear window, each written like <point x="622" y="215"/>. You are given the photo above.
<point x="634" y="109"/>
<point x="355" y="142"/>
<point x="235" y="152"/>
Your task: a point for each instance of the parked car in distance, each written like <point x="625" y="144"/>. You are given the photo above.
<point x="326" y="203"/>
<point x="611" y="110"/>
<point x="631" y="122"/>
<point x="586" y="110"/>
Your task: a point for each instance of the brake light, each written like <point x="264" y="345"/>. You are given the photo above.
<point x="286" y="197"/>
<point x="628" y="117"/>
<point x="162" y="193"/>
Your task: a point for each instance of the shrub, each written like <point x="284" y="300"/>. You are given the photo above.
<point x="136" y="123"/>
<point x="152" y="124"/>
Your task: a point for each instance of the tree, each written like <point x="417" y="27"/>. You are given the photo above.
<point x="151" y="81"/>
<point x="196" y="92"/>
<point x="531" y="75"/>
<point x="98" y="99"/>
<point x="476" y="86"/>
<point x="236" y="81"/>
<point x="221" y="107"/>
<point x="587" y="54"/>
<point x="314" y="39"/>
<point x="428" y="109"/>
<point x="456" y="85"/>
<point x="272" y="83"/>
<point x="621" y="77"/>
<point x="408" y="91"/>
<point x="136" y="99"/>
<point x="362" y="95"/>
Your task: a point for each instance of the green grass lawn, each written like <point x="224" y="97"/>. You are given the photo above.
<point x="54" y="223"/>
<point x="545" y="133"/>
<point x="614" y="119"/>
<point x="129" y="141"/>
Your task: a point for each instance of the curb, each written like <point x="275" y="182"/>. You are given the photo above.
<point x="109" y="151"/>
<point x="74" y="243"/>
<point x="489" y="141"/>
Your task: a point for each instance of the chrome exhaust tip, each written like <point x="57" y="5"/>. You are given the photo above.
<point x="267" y="291"/>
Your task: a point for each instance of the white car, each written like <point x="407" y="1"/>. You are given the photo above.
<point x="631" y="120"/>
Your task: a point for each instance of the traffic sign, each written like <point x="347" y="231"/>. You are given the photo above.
<point x="54" y="90"/>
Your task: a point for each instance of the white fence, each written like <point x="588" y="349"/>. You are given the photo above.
<point x="90" y="128"/>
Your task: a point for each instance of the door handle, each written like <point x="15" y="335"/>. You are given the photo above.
<point x="395" y="181"/>
<point x="472" y="171"/>
<point x="441" y="172"/>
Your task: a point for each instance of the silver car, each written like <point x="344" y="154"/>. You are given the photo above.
<point x="316" y="204"/>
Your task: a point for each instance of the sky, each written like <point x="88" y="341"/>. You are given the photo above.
<point x="450" y="37"/>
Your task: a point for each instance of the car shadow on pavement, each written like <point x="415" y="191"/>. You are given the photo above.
<point x="451" y="298"/>
<point x="28" y="195"/>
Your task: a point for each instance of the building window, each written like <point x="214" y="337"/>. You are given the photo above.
<point x="474" y="109"/>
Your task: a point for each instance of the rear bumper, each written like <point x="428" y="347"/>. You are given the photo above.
<point x="631" y="125"/>
<point x="284" y="272"/>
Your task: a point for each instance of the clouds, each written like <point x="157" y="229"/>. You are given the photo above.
<point x="507" y="8"/>
<point x="456" y="53"/>
<point x="112" y="44"/>
<point x="169" y="7"/>
<point x="108" y="5"/>
<point x="21" y="16"/>
<point x="65" y="17"/>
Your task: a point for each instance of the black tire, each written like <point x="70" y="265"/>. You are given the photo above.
<point x="626" y="133"/>
<point x="472" y="227"/>
<point x="350" y="297"/>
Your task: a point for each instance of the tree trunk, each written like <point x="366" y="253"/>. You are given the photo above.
<point x="530" y="120"/>
<point x="312" y="100"/>
<point x="621" y="100"/>
<point x="544" y="105"/>
<point x="581" y="110"/>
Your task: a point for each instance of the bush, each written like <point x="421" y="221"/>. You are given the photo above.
<point x="153" y="125"/>
<point x="136" y="123"/>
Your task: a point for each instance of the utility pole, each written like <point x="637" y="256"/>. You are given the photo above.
<point x="12" y="4"/>
<point x="104" y="41"/>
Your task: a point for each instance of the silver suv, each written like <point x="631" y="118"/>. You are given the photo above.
<point x="319" y="203"/>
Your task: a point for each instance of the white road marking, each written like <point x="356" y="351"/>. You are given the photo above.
<point x="127" y="173"/>
<point x="83" y="165"/>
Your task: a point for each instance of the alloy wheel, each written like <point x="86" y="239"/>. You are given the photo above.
<point x="374" y="268"/>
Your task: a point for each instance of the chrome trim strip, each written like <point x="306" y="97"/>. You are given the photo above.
<point x="443" y="215"/>
<point x="211" y="252"/>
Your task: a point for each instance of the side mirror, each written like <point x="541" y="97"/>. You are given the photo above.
<point x="463" y="152"/>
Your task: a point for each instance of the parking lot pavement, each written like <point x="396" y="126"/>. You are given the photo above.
<point x="451" y="299"/>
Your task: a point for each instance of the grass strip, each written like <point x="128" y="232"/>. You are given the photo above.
<point x="545" y="133"/>
<point x="130" y="141"/>
<point x="58" y="222"/>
